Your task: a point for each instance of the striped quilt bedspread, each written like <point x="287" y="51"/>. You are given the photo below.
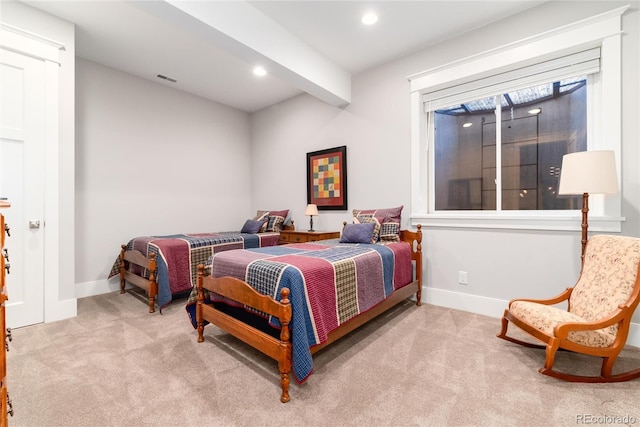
<point x="330" y="284"/>
<point x="178" y="256"/>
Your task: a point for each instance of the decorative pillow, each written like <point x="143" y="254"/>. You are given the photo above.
<point x="375" y="234"/>
<point x="357" y="233"/>
<point x="262" y="216"/>
<point x="251" y="226"/>
<point x="389" y="219"/>
<point x="389" y="232"/>
<point x="276" y="219"/>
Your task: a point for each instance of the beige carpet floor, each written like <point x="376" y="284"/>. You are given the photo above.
<point x="117" y="365"/>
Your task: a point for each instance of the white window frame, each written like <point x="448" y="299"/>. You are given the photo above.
<point x="604" y="126"/>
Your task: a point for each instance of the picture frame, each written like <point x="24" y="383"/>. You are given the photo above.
<point x="327" y="178"/>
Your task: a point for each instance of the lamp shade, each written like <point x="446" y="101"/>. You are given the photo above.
<point x="592" y="172"/>
<point x="311" y="210"/>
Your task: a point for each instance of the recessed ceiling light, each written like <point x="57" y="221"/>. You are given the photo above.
<point x="369" y="18"/>
<point x="259" y="71"/>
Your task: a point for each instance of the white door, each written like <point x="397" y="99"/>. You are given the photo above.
<point x="22" y="133"/>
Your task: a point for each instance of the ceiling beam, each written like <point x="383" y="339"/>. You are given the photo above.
<point x="248" y="34"/>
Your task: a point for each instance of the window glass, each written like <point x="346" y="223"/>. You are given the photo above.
<point x="518" y="168"/>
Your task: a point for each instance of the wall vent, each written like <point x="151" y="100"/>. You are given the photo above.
<point x="160" y="76"/>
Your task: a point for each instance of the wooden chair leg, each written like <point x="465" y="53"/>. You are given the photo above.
<point x="551" y="350"/>
<point x="505" y="325"/>
<point x="607" y="366"/>
<point x="503" y="334"/>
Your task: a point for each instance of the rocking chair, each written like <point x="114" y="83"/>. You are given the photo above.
<point x="599" y="310"/>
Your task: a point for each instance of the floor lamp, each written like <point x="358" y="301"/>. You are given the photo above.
<point x="587" y="172"/>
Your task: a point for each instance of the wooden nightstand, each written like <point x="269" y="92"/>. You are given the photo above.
<point x="299" y="236"/>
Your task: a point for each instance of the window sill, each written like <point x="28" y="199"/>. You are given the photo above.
<point x="518" y="221"/>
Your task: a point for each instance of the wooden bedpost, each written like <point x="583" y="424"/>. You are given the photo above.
<point x="122" y="268"/>
<point x="284" y="362"/>
<point x="153" y="285"/>
<point x="419" y="264"/>
<point x="414" y="238"/>
<point x="199" y="304"/>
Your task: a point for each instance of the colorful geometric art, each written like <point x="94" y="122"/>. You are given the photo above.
<point x="326" y="177"/>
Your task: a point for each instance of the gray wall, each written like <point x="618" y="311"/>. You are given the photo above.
<point x="121" y="118"/>
<point x="151" y="160"/>
<point x="501" y="264"/>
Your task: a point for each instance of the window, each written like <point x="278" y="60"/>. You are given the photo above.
<point x="538" y="125"/>
<point x="489" y="132"/>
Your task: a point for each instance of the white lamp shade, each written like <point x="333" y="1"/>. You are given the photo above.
<point x="311" y="210"/>
<point x="592" y="172"/>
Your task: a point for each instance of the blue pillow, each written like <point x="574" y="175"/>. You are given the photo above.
<point x="251" y="226"/>
<point x="357" y="233"/>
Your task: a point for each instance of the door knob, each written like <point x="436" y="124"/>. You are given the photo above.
<point x="34" y="224"/>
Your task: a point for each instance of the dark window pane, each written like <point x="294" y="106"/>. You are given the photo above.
<point x="538" y="126"/>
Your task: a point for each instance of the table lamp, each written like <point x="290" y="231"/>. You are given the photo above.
<point x="311" y="211"/>
<point x="587" y="172"/>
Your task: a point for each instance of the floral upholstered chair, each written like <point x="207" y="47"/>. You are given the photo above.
<point x="598" y="310"/>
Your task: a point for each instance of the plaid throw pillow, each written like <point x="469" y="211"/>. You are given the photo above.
<point x="262" y="216"/>
<point x="389" y="219"/>
<point x="276" y="219"/>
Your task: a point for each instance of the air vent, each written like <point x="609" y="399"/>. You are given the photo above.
<point x="160" y="76"/>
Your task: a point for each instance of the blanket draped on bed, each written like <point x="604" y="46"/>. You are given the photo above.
<point x="330" y="283"/>
<point x="178" y="256"/>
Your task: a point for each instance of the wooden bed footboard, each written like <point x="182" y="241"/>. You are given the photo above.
<point x="280" y="349"/>
<point x="237" y="290"/>
<point x="127" y="258"/>
<point x="414" y="238"/>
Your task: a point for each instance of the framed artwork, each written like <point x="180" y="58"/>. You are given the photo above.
<point x="327" y="179"/>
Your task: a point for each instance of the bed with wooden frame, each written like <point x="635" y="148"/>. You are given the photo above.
<point x="165" y="267"/>
<point x="216" y="295"/>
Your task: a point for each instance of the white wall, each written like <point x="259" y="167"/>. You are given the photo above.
<point x="121" y="118"/>
<point x="62" y="231"/>
<point x="151" y="160"/>
<point x="376" y="129"/>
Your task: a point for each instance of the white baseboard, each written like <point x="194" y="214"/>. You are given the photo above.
<point x="486" y="306"/>
<point x="97" y="287"/>
<point x="491" y="307"/>
<point x="61" y="310"/>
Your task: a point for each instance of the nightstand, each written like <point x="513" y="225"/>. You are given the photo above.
<point x="299" y="236"/>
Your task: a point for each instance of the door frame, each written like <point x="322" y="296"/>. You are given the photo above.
<point x="28" y="43"/>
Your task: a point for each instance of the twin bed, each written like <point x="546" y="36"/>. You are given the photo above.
<point x="291" y="301"/>
<point x="166" y="267"/>
<point x="286" y="301"/>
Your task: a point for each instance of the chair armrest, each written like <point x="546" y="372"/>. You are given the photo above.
<point x="562" y="330"/>
<point x="551" y="301"/>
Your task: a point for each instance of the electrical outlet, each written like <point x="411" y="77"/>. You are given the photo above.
<point x="462" y="277"/>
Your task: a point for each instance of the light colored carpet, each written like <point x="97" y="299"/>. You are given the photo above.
<point x="117" y="365"/>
